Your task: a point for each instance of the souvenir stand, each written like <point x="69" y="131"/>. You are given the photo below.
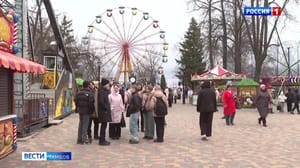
<point x="10" y="64"/>
<point x="246" y="92"/>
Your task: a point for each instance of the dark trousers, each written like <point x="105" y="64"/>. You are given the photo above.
<point x="289" y="106"/>
<point x="160" y="128"/>
<point x="102" y="132"/>
<point x="296" y="106"/>
<point x="205" y="123"/>
<point x="142" y="121"/>
<point x="82" y="128"/>
<point x="229" y="119"/>
<point x="175" y="99"/>
<point x="96" y="128"/>
<point x="170" y="101"/>
<point x="114" y="130"/>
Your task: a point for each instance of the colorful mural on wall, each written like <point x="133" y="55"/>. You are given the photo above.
<point x="8" y="136"/>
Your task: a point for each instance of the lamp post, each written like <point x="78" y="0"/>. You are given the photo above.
<point x="160" y="71"/>
<point x="99" y="70"/>
<point x="183" y="84"/>
<point x="298" y="70"/>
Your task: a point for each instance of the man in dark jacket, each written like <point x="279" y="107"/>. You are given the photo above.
<point x="206" y="105"/>
<point x="135" y="105"/>
<point x="290" y="99"/>
<point x="84" y="102"/>
<point x="94" y="116"/>
<point x="296" y="101"/>
<point x="104" y="112"/>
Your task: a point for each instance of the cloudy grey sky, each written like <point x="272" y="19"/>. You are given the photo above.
<point x="173" y="17"/>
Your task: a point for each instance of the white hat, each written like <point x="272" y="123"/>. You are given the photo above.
<point x="229" y="83"/>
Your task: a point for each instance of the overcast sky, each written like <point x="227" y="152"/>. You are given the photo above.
<point x="173" y="17"/>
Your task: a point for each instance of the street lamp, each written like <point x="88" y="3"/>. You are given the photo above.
<point x="183" y="84"/>
<point x="99" y="70"/>
<point x="298" y="70"/>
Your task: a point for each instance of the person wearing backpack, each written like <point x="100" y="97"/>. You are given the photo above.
<point x="84" y="102"/>
<point x="158" y="103"/>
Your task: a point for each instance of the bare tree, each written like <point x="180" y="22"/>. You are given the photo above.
<point x="147" y="66"/>
<point x="259" y="33"/>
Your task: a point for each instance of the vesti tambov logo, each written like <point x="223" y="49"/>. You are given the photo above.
<point x="262" y="11"/>
<point x="34" y="156"/>
<point x="39" y="156"/>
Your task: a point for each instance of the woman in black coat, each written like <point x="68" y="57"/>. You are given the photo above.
<point x="104" y="112"/>
<point x="206" y="105"/>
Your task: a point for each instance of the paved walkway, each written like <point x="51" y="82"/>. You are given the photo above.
<point x="244" y="145"/>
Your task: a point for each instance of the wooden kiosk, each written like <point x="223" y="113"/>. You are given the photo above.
<point x="10" y="64"/>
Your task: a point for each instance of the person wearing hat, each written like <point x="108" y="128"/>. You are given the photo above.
<point x="104" y="111"/>
<point x="229" y="104"/>
<point x="84" y="102"/>
<point x="262" y="101"/>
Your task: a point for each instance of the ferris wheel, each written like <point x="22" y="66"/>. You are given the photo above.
<point x="124" y="38"/>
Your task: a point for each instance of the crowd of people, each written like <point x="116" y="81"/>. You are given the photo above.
<point x="146" y="106"/>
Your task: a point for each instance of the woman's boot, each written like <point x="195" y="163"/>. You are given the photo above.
<point x="232" y="118"/>
<point x="259" y="120"/>
<point x="227" y="119"/>
<point x="264" y="122"/>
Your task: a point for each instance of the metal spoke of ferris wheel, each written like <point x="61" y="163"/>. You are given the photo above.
<point x="147" y="44"/>
<point x="107" y="47"/>
<point x="136" y="58"/>
<point x="106" y="34"/>
<point x="102" y="40"/>
<point x="145" y="37"/>
<point x="112" y="30"/>
<point x="123" y="23"/>
<point x="134" y="31"/>
<point x="117" y="26"/>
<point x="140" y="33"/>
<point x="109" y="60"/>
<point x="144" y="57"/>
<point x="149" y="51"/>
<point x="116" y="62"/>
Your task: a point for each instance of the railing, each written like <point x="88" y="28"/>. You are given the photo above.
<point x="35" y="110"/>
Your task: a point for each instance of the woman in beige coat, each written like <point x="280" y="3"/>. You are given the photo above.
<point x="159" y="119"/>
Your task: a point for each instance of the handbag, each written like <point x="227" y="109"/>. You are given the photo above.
<point x="123" y="123"/>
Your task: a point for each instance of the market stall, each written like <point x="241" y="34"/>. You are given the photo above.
<point x="217" y="73"/>
<point x="246" y="92"/>
<point x="219" y="76"/>
<point x="9" y="64"/>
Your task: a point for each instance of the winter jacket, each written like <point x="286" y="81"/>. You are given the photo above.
<point x="262" y="101"/>
<point x="135" y="103"/>
<point x="152" y="102"/>
<point x="116" y="106"/>
<point x="84" y="101"/>
<point x="228" y="102"/>
<point x="206" y="101"/>
<point x="104" y="111"/>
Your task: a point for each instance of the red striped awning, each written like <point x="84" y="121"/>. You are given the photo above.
<point x="18" y="64"/>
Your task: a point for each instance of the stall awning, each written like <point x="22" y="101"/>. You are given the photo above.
<point x="19" y="64"/>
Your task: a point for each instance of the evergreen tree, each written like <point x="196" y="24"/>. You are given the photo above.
<point x="163" y="83"/>
<point x="192" y="59"/>
<point x="69" y="41"/>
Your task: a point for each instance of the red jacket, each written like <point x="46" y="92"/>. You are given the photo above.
<point x="228" y="102"/>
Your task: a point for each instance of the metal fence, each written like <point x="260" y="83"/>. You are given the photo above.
<point x="35" y="111"/>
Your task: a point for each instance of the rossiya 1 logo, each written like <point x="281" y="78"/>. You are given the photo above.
<point x="262" y="11"/>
